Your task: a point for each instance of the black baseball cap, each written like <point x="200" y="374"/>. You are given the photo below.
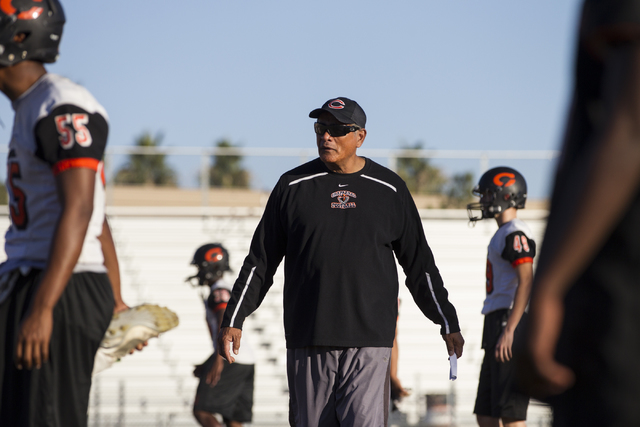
<point x="343" y="109"/>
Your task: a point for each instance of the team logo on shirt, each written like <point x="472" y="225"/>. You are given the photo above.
<point x="343" y="198"/>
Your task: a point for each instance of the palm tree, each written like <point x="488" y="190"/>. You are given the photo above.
<point x="227" y="171"/>
<point x="458" y="191"/>
<point x="147" y="169"/>
<point x="421" y="177"/>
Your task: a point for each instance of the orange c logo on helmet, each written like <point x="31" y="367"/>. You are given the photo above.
<point x="336" y="104"/>
<point x="214" y="254"/>
<point x="497" y="180"/>
<point x="33" y="13"/>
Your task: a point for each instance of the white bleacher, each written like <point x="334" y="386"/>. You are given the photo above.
<point x="156" y="387"/>
<point x="155" y="252"/>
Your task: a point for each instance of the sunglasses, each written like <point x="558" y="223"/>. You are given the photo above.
<point x="334" y="130"/>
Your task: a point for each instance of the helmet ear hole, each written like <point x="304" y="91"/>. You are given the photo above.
<point x="21" y="37"/>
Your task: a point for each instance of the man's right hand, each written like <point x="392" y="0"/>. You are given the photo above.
<point x="228" y="339"/>
<point x="32" y="348"/>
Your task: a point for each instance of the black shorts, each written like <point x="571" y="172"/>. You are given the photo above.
<point x="57" y="394"/>
<point x="497" y="396"/>
<point x="232" y="396"/>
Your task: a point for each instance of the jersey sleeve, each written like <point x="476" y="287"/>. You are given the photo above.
<point x="71" y="137"/>
<point x="519" y="249"/>
<point x="422" y="275"/>
<point x="218" y="299"/>
<point x="267" y="249"/>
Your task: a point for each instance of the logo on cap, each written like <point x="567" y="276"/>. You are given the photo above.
<point x="337" y="104"/>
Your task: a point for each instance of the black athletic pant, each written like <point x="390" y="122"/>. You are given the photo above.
<point x="57" y="394"/>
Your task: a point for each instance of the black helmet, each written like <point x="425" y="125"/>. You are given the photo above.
<point x="499" y="189"/>
<point x="41" y="21"/>
<point x="212" y="261"/>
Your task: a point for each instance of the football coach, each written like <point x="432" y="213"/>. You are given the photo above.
<point x="338" y="221"/>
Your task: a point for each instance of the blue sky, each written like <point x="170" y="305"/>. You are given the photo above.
<point x="457" y="74"/>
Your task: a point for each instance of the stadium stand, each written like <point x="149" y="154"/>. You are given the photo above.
<point x="156" y="387"/>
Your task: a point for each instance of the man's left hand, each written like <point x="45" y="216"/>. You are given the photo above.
<point x="229" y="343"/>
<point x="454" y="342"/>
<point x="503" y="347"/>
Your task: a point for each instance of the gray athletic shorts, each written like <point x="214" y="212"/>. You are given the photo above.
<point x="338" y="386"/>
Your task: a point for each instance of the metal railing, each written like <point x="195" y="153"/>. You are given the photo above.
<point x="483" y="157"/>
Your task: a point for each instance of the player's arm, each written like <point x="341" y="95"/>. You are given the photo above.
<point x="519" y="251"/>
<point x="113" y="272"/>
<point x="213" y="376"/>
<point x="503" y="350"/>
<point x="612" y="178"/>
<point x="75" y="191"/>
<point x="215" y="307"/>
<point x="397" y="391"/>
<point x="112" y="265"/>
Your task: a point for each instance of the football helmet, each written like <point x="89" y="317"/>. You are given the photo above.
<point x="41" y="22"/>
<point x="212" y="261"/>
<point x="499" y="189"/>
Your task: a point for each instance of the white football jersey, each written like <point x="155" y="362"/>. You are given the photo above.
<point x="510" y="246"/>
<point x="58" y="125"/>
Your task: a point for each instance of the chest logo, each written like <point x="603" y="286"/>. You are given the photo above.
<point x="343" y="198"/>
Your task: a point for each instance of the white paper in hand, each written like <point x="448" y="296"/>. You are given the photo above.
<point x="453" y="367"/>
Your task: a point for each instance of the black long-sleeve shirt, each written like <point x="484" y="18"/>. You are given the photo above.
<point x="338" y="234"/>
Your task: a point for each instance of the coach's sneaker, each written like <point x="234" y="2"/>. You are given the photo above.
<point x="130" y="328"/>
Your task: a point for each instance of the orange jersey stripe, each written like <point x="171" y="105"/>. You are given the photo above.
<point x="521" y="261"/>
<point x="82" y="162"/>
<point x="104" y="180"/>
<point x="220" y="306"/>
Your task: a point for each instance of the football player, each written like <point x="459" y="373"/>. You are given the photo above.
<point x="509" y="275"/>
<point x="225" y="389"/>
<point x="60" y="284"/>
<point x="584" y="339"/>
<point x="57" y="299"/>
